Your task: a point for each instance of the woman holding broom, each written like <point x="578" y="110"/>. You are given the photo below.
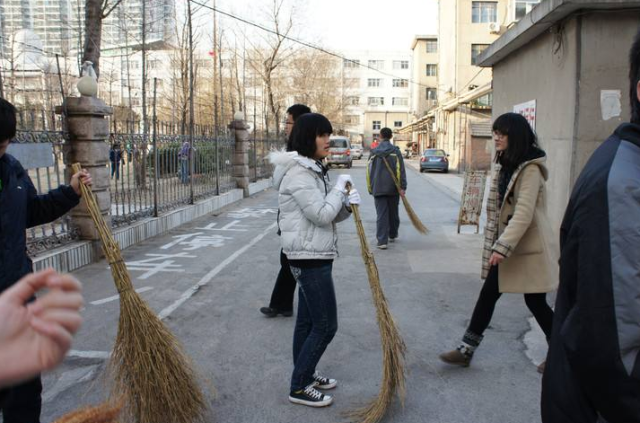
<point x="309" y="211"/>
<point x="516" y="257"/>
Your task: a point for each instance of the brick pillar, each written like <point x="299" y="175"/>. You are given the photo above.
<point x="88" y="132"/>
<point x="241" y="153"/>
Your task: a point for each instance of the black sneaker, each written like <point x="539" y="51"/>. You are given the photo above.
<point x="311" y="397"/>
<point x="273" y="312"/>
<point x="324" y="382"/>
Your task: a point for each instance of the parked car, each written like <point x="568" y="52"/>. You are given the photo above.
<point x="356" y="151"/>
<point x="339" y="152"/>
<point x="434" y="159"/>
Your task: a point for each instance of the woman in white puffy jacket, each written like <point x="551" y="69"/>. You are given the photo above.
<point x="309" y="210"/>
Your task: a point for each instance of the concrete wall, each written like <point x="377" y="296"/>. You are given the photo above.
<point x="567" y="85"/>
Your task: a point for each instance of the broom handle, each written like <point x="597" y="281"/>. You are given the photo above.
<point x="393" y="176"/>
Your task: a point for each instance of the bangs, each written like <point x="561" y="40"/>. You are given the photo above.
<point x="324" y="127"/>
<point x="502" y="124"/>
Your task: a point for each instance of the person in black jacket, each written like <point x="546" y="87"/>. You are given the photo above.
<point x="383" y="188"/>
<point x="21" y="208"/>
<point x="282" y="296"/>
<point x="593" y="365"/>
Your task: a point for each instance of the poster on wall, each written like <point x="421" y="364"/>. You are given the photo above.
<point x="528" y="110"/>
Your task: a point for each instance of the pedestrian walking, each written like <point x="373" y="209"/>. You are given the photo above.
<point x="381" y="185"/>
<point x="282" y="296"/>
<point x="21" y="208"/>
<point x="115" y="157"/>
<point x="309" y="211"/>
<point x="184" y="156"/>
<point x="517" y="256"/>
<point x="593" y="365"/>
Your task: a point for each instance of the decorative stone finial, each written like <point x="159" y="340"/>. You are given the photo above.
<point x="88" y="83"/>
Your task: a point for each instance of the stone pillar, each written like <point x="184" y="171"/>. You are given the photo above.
<point x="241" y="153"/>
<point x="88" y="133"/>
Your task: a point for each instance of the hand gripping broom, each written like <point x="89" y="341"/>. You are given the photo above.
<point x="415" y="220"/>
<point x="152" y="374"/>
<point x="393" y="346"/>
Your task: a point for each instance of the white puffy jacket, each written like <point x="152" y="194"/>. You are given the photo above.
<point x="309" y="207"/>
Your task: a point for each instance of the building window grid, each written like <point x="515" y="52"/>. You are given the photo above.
<point x="432" y="70"/>
<point x="400" y="83"/>
<point x="374" y="82"/>
<point x="375" y="101"/>
<point x="432" y="46"/>
<point x="351" y="63"/>
<point x="432" y="94"/>
<point x="484" y="12"/>
<point x="400" y="64"/>
<point x="524" y="6"/>
<point x="476" y="50"/>
<point x="376" y="64"/>
<point x="399" y="101"/>
<point x="376" y="125"/>
<point x="397" y="124"/>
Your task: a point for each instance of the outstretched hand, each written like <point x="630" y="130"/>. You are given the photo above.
<point x="36" y="336"/>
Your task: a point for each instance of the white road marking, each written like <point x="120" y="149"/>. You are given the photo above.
<point x="209" y="276"/>
<point x="89" y="354"/>
<point x="115" y="297"/>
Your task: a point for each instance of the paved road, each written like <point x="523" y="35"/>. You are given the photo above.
<point x="210" y="277"/>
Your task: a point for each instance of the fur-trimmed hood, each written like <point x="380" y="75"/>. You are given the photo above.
<point x="285" y="160"/>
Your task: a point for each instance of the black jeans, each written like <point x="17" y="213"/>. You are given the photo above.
<point x="22" y="403"/>
<point x="316" y="324"/>
<point x="282" y="295"/>
<point x="489" y="296"/>
<point x="388" y="221"/>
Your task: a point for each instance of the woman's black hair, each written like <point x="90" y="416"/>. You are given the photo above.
<point x="522" y="144"/>
<point x="634" y="78"/>
<point x="305" y="130"/>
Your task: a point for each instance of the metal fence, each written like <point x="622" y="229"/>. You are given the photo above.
<point x="259" y="148"/>
<point x="164" y="171"/>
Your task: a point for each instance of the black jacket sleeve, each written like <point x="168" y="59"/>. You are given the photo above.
<point x="403" y="173"/>
<point x="48" y="207"/>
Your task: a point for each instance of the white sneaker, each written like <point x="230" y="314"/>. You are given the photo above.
<point x="310" y="397"/>
<point x="382" y="246"/>
<point x="393" y="239"/>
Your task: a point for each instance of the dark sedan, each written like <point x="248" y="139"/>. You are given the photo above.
<point x="434" y="159"/>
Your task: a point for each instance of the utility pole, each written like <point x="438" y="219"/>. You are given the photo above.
<point x="144" y="82"/>
<point x="191" y="109"/>
<point x="215" y="71"/>
<point x="156" y="173"/>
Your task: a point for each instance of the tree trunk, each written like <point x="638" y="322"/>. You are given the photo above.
<point x="93" y="33"/>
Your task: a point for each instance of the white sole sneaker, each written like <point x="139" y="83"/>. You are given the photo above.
<point x="315" y="404"/>
<point x="382" y="247"/>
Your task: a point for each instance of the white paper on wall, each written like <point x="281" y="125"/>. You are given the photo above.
<point x="610" y="104"/>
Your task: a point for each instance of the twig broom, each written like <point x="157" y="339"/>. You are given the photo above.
<point x="103" y="413"/>
<point x="151" y="372"/>
<point x="393" y="346"/>
<point x="415" y="220"/>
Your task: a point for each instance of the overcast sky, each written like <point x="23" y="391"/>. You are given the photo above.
<point x="345" y="25"/>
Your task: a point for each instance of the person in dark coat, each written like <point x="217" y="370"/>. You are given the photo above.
<point x="381" y="185"/>
<point x="282" y="296"/>
<point x="593" y="365"/>
<point x="20" y="208"/>
<point x="115" y="156"/>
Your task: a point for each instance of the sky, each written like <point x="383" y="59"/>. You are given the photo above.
<point x="344" y="25"/>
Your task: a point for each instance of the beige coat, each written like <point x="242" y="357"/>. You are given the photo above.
<point x="520" y="231"/>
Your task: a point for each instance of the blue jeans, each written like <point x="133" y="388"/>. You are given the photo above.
<point x="316" y="324"/>
<point x="184" y="171"/>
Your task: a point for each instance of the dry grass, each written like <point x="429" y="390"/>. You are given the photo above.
<point x="151" y="372"/>
<point x="103" y="413"/>
<point x="415" y="220"/>
<point x="393" y="346"/>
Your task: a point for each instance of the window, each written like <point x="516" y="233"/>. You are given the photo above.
<point x="476" y="49"/>
<point x="432" y="46"/>
<point x="432" y="70"/>
<point x="400" y="83"/>
<point x="352" y="119"/>
<point x="375" y="101"/>
<point x="524" y="6"/>
<point x="397" y="124"/>
<point x="484" y="12"/>
<point x="374" y="82"/>
<point x="432" y="94"/>
<point x="376" y="64"/>
<point x="377" y="124"/>
<point x="400" y="101"/>
<point x="353" y="101"/>
<point x="350" y="63"/>
<point x="401" y="64"/>
<point x="484" y="102"/>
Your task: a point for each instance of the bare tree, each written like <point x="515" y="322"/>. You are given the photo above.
<point x="95" y="12"/>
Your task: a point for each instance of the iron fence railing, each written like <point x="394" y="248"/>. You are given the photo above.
<point x="184" y="172"/>
<point x="259" y="166"/>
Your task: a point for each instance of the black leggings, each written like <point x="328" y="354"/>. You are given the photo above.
<point x="489" y="296"/>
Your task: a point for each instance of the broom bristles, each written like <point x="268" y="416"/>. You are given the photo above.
<point x="413" y="216"/>
<point x="103" y="413"/>
<point x="393" y="346"/>
<point x="151" y="372"/>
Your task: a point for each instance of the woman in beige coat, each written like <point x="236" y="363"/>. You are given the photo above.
<point x="516" y="256"/>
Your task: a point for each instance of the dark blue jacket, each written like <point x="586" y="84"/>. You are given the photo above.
<point x="593" y="365"/>
<point x="379" y="180"/>
<point x="20" y="208"/>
